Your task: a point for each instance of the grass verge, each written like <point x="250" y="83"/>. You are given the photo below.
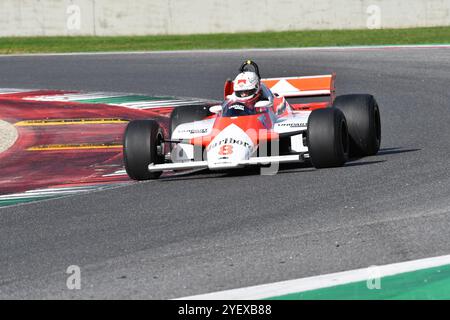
<point x="436" y="35"/>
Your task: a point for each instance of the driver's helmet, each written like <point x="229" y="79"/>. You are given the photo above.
<point x="246" y="86"/>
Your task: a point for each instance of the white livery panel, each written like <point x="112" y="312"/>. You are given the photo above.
<point x="194" y="129"/>
<point x="295" y="122"/>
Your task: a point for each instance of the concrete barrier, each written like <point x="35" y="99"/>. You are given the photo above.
<point x="151" y="17"/>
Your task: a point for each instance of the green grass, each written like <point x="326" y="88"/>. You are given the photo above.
<point x="437" y="35"/>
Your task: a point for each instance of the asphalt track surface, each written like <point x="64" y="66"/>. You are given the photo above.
<point x="208" y="232"/>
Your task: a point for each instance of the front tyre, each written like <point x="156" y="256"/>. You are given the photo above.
<point x="142" y="145"/>
<point x="328" y="140"/>
<point x="363" y="120"/>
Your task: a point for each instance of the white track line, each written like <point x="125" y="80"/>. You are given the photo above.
<point x="343" y="48"/>
<point x="322" y="281"/>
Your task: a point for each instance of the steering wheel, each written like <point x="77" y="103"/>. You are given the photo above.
<point x="250" y="64"/>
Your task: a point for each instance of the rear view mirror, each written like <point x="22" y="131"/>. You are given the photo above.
<point x="215" y="109"/>
<point x="263" y="104"/>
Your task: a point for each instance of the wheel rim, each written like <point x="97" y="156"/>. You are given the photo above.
<point x="160" y="145"/>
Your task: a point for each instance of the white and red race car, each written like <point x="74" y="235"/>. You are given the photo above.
<point x="272" y="131"/>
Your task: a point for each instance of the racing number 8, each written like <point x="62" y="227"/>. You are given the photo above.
<point x="226" y="150"/>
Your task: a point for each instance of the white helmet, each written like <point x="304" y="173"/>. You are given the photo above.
<point x="246" y="85"/>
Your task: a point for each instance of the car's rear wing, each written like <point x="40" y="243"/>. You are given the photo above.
<point x="308" y="86"/>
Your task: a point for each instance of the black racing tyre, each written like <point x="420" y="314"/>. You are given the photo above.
<point x="186" y="114"/>
<point x="328" y="140"/>
<point x="363" y="121"/>
<point x="142" y="145"/>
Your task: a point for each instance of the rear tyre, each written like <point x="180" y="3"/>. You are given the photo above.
<point x="182" y="115"/>
<point x="328" y="140"/>
<point x="142" y="145"/>
<point x="363" y="119"/>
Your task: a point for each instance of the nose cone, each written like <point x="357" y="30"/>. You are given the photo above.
<point x="229" y="148"/>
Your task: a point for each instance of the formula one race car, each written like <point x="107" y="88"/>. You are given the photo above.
<point x="256" y="125"/>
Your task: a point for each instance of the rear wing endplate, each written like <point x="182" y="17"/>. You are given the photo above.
<point x="308" y="86"/>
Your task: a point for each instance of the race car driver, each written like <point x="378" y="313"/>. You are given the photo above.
<point x="247" y="88"/>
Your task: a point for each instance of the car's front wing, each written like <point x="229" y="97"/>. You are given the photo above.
<point x="224" y="165"/>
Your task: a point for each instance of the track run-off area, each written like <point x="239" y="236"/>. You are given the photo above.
<point x="69" y="142"/>
<point x="195" y="234"/>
